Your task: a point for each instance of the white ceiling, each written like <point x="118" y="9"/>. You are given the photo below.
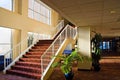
<point x="101" y="15"/>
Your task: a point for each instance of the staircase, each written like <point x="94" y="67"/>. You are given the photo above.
<point x="30" y="63"/>
<point x="35" y="61"/>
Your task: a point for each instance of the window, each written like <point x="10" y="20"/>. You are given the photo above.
<point x="106" y="45"/>
<point x="39" y="11"/>
<point x="5" y="39"/>
<point x="7" y="4"/>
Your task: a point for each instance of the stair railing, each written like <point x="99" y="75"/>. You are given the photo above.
<point x="13" y="55"/>
<point x="58" y="27"/>
<point x="67" y="32"/>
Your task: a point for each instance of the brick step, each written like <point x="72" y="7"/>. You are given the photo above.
<point x="32" y="64"/>
<point x="30" y="60"/>
<point x="33" y="60"/>
<point x="38" y="50"/>
<point x="40" y="47"/>
<point x="24" y="74"/>
<point x="42" y="44"/>
<point x="45" y="41"/>
<point x="34" y="53"/>
<point x="31" y="56"/>
<point x="26" y="69"/>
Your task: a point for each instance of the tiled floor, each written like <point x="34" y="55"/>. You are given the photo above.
<point x="110" y="70"/>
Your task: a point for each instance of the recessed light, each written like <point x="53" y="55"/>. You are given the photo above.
<point x="113" y="12"/>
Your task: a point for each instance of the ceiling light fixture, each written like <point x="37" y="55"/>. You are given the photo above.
<point x="112" y="12"/>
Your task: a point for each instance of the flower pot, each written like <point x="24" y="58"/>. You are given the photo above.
<point x="69" y="76"/>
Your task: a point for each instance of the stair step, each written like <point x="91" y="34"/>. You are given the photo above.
<point x="27" y="69"/>
<point x="30" y="60"/>
<point x="37" y="65"/>
<point x="32" y="56"/>
<point x="39" y="50"/>
<point x="34" y="53"/>
<point x="42" y="44"/>
<point x="45" y="41"/>
<point x="33" y="60"/>
<point x="24" y="74"/>
<point x="40" y="47"/>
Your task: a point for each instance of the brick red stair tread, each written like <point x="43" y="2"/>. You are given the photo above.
<point x="37" y="49"/>
<point x="42" y="44"/>
<point x="40" y="47"/>
<point x="35" y="56"/>
<point x="33" y="64"/>
<point x="22" y="59"/>
<point x="25" y="74"/>
<point x="30" y="59"/>
<point x="26" y="69"/>
<point x="46" y="40"/>
<point x="31" y="56"/>
<point x="37" y="52"/>
<point x="34" y="53"/>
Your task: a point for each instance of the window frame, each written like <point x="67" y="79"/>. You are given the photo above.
<point x="44" y="15"/>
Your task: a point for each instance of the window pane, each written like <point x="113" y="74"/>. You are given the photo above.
<point x="48" y="21"/>
<point x="7" y="4"/>
<point x="5" y="40"/>
<point x="47" y="13"/>
<point x="36" y="16"/>
<point x="31" y="4"/>
<point x="30" y="13"/>
<point x="42" y="10"/>
<point x="36" y="6"/>
<point x="5" y="35"/>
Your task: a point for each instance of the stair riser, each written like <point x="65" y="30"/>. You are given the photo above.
<point x="45" y="42"/>
<point x="27" y="70"/>
<point x="32" y="56"/>
<point x="42" y="44"/>
<point x="37" y="61"/>
<point x="32" y="65"/>
<point x="34" y="53"/>
<point x="37" y="50"/>
<point x="37" y="47"/>
<point x="24" y="75"/>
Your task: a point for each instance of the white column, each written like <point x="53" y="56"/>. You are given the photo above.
<point x="84" y="46"/>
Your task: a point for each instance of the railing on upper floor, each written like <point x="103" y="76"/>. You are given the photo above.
<point x="58" y="28"/>
<point x="67" y="32"/>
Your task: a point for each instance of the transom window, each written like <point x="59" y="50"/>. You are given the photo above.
<point x="39" y="11"/>
<point x="7" y="4"/>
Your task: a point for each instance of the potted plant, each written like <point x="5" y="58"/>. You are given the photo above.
<point x="96" y="51"/>
<point x="66" y="63"/>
